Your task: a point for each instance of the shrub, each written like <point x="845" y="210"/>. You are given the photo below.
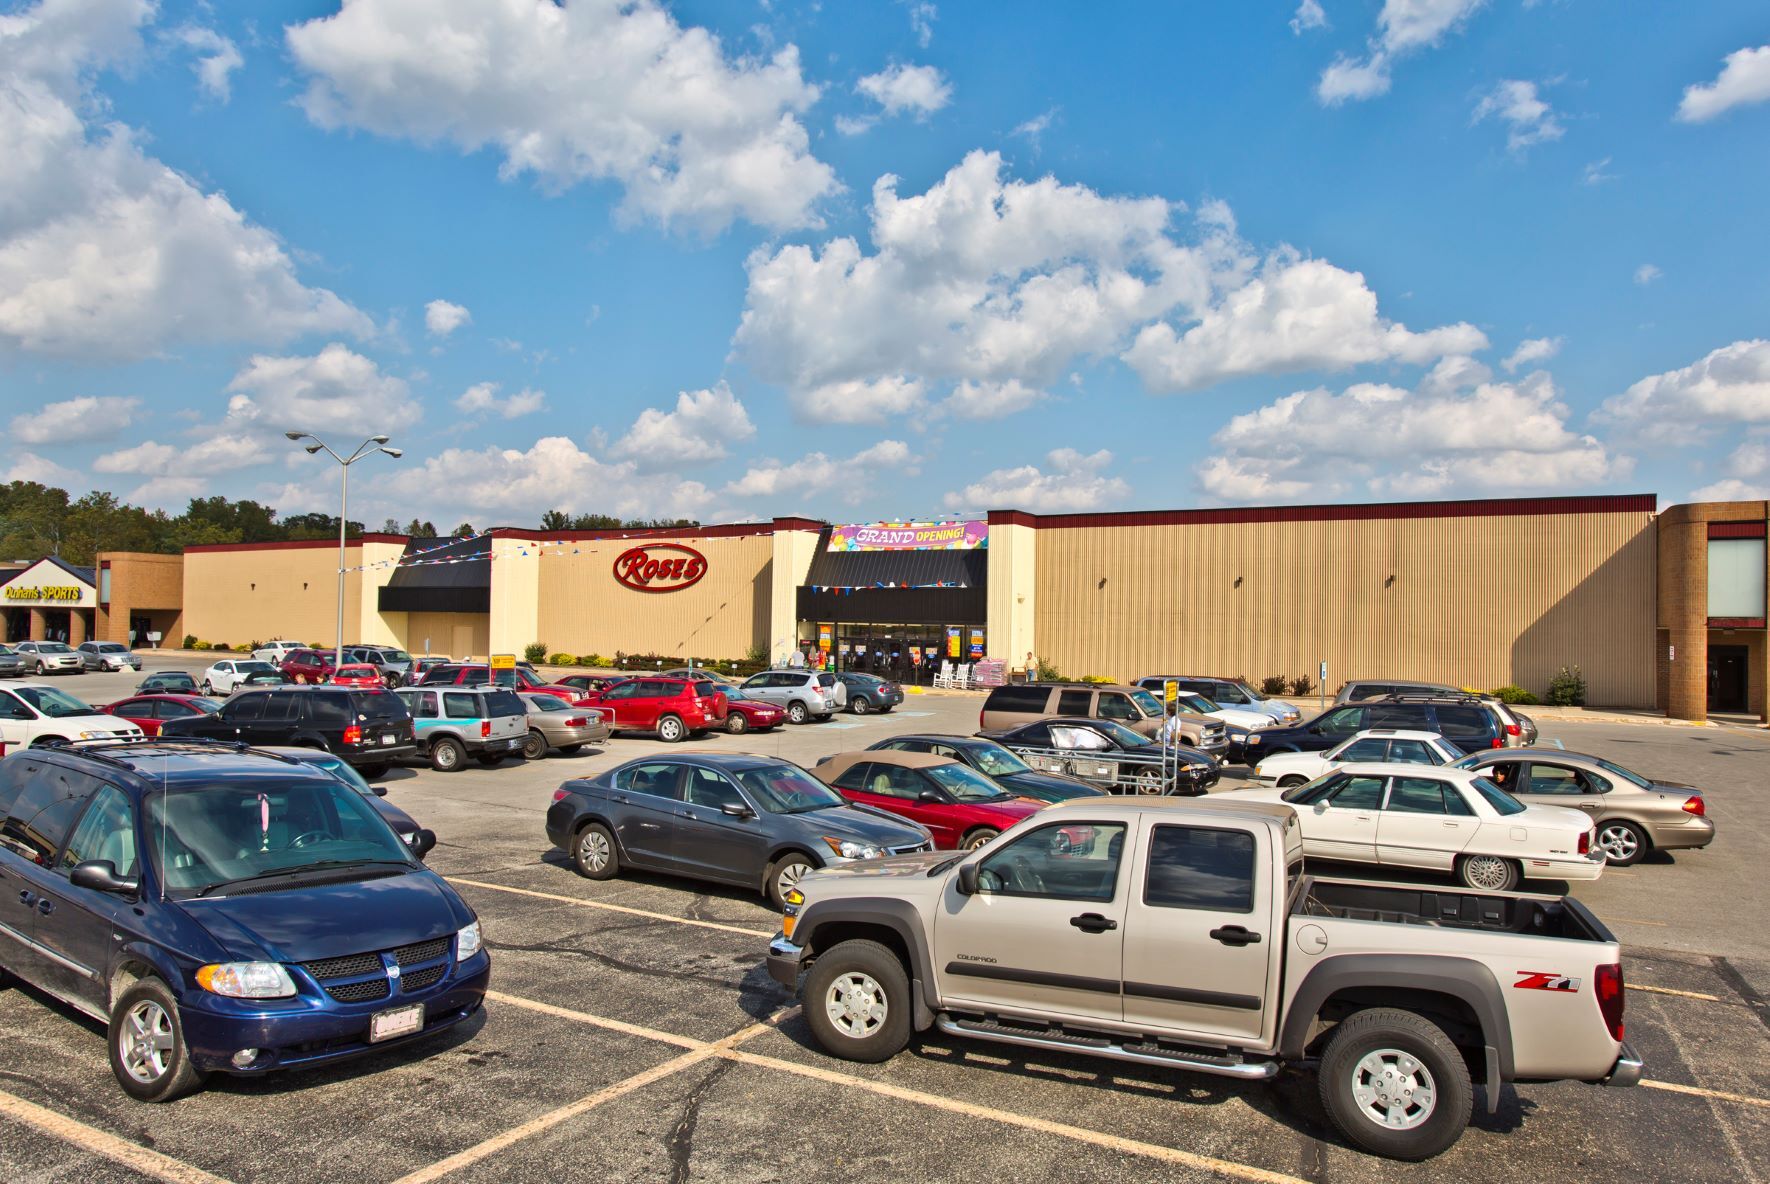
<point x="1098" y="680"/>
<point x="595" y="660"/>
<point x="561" y="660"/>
<point x="1568" y="688"/>
<point x="200" y="645"/>
<point x="252" y="645"/>
<point x="244" y="649"/>
<point x="1274" y="684"/>
<point x="1515" y="695"/>
<point x="1302" y="684"/>
<point x="535" y="651"/>
<point x="757" y="655"/>
<point x="190" y="642"/>
<point x="1048" y="671"/>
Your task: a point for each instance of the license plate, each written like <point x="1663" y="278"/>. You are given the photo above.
<point x="390" y="738"/>
<point x="396" y="1021"/>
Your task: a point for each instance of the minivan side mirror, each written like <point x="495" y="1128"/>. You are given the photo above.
<point x="379" y="791"/>
<point x="967" y="884"/>
<point x="100" y="875"/>
<point x="423" y="841"/>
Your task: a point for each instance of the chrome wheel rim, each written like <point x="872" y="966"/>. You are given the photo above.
<point x="447" y="756"/>
<point x="977" y="841"/>
<point x="593" y="851"/>
<point x="797" y="713"/>
<point x="1618" y="843"/>
<point x="790" y="874"/>
<point x="147" y="1040"/>
<point x="861" y="707"/>
<point x="856" y="1005"/>
<point x="1394" y="1090"/>
<point x="1489" y="872"/>
<point x="669" y="729"/>
<point x="1149" y="783"/>
<point x="735" y="724"/>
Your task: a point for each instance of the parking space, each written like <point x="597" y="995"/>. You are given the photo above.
<point x="633" y="1034"/>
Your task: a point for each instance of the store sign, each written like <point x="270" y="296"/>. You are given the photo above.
<point x="660" y="567"/>
<point x="61" y="593"/>
<point x="911" y="536"/>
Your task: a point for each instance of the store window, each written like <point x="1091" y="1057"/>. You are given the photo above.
<point x="1736" y="578"/>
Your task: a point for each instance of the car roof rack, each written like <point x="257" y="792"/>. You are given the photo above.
<point x="101" y="749"/>
<point x="1426" y="697"/>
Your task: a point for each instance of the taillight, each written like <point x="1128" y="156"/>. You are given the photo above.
<point x="1585" y="842"/>
<point x="353" y="734"/>
<point x="576" y="721"/>
<point x="1693" y="805"/>
<point x="1513" y="730"/>
<point x="485" y="728"/>
<point x="559" y="794"/>
<point x="1609" y="980"/>
<point x="1498" y="742"/>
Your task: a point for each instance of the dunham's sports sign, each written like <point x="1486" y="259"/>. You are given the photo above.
<point x="660" y="567"/>
<point x="910" y="536"/>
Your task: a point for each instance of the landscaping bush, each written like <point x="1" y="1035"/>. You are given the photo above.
<point x="596" y="660"/>
<point x="1275" y="684"/>
<point x="189" y="643"/>
<point x="200" y="645"/>
<point x="1302" y="685"/>
<point x="1568" y="688"/>
<point x="535" y="651"/>
<point x="1515" y="695"/>
<point x="561" y="660"/>
<point x="1048" y="671"/>
<point x="1098" y="680"/>
<point x="244" y="649"/>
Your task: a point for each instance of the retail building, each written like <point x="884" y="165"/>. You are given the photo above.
<point x="129" y="597"/>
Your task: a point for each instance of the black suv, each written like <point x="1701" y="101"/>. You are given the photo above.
<point x="368" y="728"/>
<point x="1465" y="721"/>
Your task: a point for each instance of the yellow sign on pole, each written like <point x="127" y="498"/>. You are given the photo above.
<point x="503" y="661"/>
<point x="1170" y="691"/>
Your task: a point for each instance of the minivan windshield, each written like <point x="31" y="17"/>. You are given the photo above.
<point x="207" y="839"/>
<point x="784" y="789"/>
<point x="966" y="783"/>
<point x="53" y="703"/>
<point x="996" y="760"/>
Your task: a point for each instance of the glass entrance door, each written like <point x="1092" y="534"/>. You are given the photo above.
<point x="902" y="653"/>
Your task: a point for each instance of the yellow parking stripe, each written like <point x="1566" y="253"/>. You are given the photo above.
<point x="1696" y="1091"/>
<point x="88" y="1138"/>
<point x="584" y="1017"/>
<point x="1679" y="994"/>
<point x="616" y="908"/>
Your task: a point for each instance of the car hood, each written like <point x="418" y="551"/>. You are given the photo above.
<point x="1031" y="783"/>
<point x="331" y="920"/>
<point x="1551" y="818"/>
<point x="891" y="867"/>
<point x="1241" y="717"/>
<point x="1255" y="795"/>
<point x="862" y="825"/>
<point x="92" y="723"/>
<point x="1293" y="760"/>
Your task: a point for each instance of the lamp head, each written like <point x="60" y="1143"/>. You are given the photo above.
<point x="312" y="448"/>
<point x="296" y="435"/>
<point x="395" y="453"/>
<point x="377" y="439"/>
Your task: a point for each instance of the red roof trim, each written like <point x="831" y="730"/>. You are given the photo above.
<point x="1012" y="518"/>
<point x="1736" y="530"/>
<point x="1643" y="503"/>
<point x="735" y="530"/>
<point x="297" y="544"/>
<point x="1736" y="622"/>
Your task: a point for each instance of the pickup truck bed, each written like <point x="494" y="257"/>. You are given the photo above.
<point x="1352" y="900"/>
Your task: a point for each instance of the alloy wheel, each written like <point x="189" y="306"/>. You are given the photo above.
<point x="1489" y="872"/>
<point x="1394" y="1089"/>
<point x="147" y="1042"/>
<point x="1619" y="842"/>
<point x="856" y="1004"/>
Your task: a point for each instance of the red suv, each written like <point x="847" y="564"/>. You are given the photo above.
<point x="306" y="666"/>
<point x="961" y="807"/>
<point x="674" y="708"/>
<point x="462" y="674"/>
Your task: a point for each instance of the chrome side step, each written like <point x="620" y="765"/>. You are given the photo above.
<point x="1101" y="1046"/>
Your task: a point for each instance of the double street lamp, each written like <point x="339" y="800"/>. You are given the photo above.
<point x="368" y="447"/>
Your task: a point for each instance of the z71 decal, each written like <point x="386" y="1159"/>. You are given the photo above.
<point x="1539" y="981"/>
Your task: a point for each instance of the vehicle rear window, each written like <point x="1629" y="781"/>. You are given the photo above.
<point x="503" y="703"/>
<point x="44" y="810"/>
<point x="1031" y="698"/>
<point x="1197" y="867"/>
<point x="378" y="706"/>
<point x="1464" y="721"/>
<point x="705" y="690"/>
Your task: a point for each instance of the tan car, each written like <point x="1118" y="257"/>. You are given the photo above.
<point x="1134" y="707"/>
<point x="555" y="723"/>
<point x="1634" y="814"/>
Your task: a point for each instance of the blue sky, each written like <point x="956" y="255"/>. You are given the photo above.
<point x="891" y="259"/>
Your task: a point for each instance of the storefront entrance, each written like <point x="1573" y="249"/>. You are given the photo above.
<point x="1729" y="680"/>
<point x="901" y="653"/>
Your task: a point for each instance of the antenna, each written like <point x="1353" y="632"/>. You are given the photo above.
<point x="165" y="812"/>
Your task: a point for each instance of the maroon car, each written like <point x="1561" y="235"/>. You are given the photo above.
<point x="308" y="666"/>
<point x="744" y="714"/>
<point x="466" y="674"/>
<point x="961" y="807"/>
<point x="148" y="712"/>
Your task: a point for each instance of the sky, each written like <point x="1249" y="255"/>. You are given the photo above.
<point x="884" y="260"/>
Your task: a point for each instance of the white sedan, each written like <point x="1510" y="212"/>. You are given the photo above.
<point x="1403" y="815"/>
<point x="275" y="651"/>
<point x="1394" y="745"/>
<point x="32" y="713"/>
<point x="226" y="675"/>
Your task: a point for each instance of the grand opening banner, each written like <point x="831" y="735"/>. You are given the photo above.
<point x="968" y="535"/>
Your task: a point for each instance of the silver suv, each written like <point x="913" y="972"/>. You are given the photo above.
<point x="107" y="655"/>
<point x="800" y="693"/>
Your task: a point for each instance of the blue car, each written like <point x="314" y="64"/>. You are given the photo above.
<point x="224" y="909"/>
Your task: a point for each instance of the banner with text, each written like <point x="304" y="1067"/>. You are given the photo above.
<point x="969" y="535"/>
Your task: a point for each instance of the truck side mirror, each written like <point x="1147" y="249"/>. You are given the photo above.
<point x="968" y="879"/>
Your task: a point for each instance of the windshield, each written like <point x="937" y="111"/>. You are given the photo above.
<point x="547" y="703"/>
<point x="206" y="706"/>
<point x="53" y="703"/>
<point x="1307" y="792"/>
<point x="110" y="647"/>
<point x="785" y="789"/>
<point x="996" y="760"/>
<point x="254" y="667"/>
<point x="341" y="770"/>
<point x="52" y="647"/>
<point x="1502" y="802"/>
<point x="966" y="783"/>
<point x="1202" y="703"/>
<point x="203" y="839"/>
<point x="1148" y="704"/>
<point x="1120" y="733"/>
<point x="1253" y="695"/>
<point x="1454" y="751"/>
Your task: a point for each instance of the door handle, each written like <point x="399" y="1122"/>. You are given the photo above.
<point x="1093" y="923"/>
<point x="1235" y="935"/>
<point x="45" y="905"/>
<point x="27" y="898"/>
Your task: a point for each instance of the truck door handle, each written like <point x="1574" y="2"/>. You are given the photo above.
<point x="1093" y="923"/>
<point x="27" y="898"/>
<point x="45" y="905"/>
<point x="1235" y="935"/>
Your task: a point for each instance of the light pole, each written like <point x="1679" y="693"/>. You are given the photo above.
<point x="368" y="447"/>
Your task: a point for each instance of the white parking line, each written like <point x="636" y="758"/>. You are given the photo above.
<point x="88" y="1138"/>
<point x="584" y="1017"/>
<point x="615" y="908"/>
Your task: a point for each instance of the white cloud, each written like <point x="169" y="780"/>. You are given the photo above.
<point x="1533" y="349"/>
<point x="167" y="493"/>
<point x="336" y="389"/>
<point x="1646" y="274"/>
<point x="917" y="90"/>
<point x="1594" y="174"/>
<point x="217" y="58"/>
<point x="1730" y="385"/>
<point x="1403" y="27"/>
<point x="1528" y="119"/>
<point x="699" y="429"/>
<point x="1458" y="432"/>
<point x="219" y="452"/>
<point x="824" y="475"/>
<point x="442" y="317"/>
<point x="992" y="400"/>
<point x="591" y="90"/>
<point x="1034" y="129"/>
<point x="1744" y="79"/>
<point x="922" y="17"/>
<point x="28" y="466"/>
<point x="862" y="400"/>
<point x="105" y="252"/>
<point x="1748" y="476"/>
<point x="483" y="397"/>
<point x="1071" y="481"/>
<point x="77" y="420"/>
<point x="1309" y="15"/>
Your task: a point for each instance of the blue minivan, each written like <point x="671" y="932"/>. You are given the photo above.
<point x="224" y="909"/>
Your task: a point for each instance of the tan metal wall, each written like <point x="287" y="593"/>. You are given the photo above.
<point x="455" y="635"/>
<point x="1474" y="601"/>
<point x="247" y="595"/>
<point x="584" y="610"/>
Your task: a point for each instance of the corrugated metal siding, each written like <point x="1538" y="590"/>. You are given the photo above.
<point x="1477" y="601"/>
<point x="258" y="594"/>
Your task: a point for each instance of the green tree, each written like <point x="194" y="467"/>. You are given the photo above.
<point x="418" y="529"/>
<point x="556" y="520"/>
<point x="465" y="530"/>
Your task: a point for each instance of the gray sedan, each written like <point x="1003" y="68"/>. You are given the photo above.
<point x="554" y="723"/>
<point x="12" y="663"/>
<point x="107" y="655"/>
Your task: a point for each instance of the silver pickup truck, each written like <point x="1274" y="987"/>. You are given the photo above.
<point x="1185" y="933"/>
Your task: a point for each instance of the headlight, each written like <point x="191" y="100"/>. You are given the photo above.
<point x="467" y="942"/>
<point x="849" y="849"/>
<point x="246" y="980"/>
<point x="1253" y="738"/>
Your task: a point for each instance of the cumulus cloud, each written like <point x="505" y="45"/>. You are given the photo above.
<point x="1071" y="480"/>
<point x="106" y="253"/>
<point x="1528" y="119"/>
<point x="1748" y="476"/>
<point x="483" y="397"/>
<point x="442" y="317"/>
<point x="1532" y="350"/>
<point x="1646" y="274"/>
<point x="217" y="58"/>
<point x="611" y="90"/>
<point x="915" y="90"/>
<point x="167" y="493"/>
<point x="699" y="428"/>
<point x="336" y="389"/>
<point x="992" y="400"/>
<point x="1459" y="431"/>
<point x="28" y="466"/>
<point x="1744" y="79"/>
<point x="1309" y="15"/>
<point x="824" y="475"/>
<point x="1727" y="386"/>
<point x="218" y="452"/>
<point x="81" y="419"/>
<point x="1403" y="27"/>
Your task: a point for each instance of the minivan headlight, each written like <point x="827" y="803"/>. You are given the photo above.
<point x="849" y="849"/>
<point x="467" y="942"/>
<point x="246" y="980"/>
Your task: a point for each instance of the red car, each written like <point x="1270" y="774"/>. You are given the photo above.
<point x="744" y="714"/>
<point x="583" y="684"/>
<point x="961" y="807"/>
<point x="148" y="712"/>
<point x="305" y="666"/>
<point x="462" y="674"/>
<point x="673" y="708"/>
<point x="357" y="674"/>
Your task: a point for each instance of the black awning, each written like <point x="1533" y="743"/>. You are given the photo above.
<point x="897" y="587"/>
<point x="441" y="576"/>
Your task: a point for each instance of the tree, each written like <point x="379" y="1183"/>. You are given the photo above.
<point x="390" y="526"/>
<point x="317" y="526"/>
<point x="417" y="529"/>
<point x="556" y="520"/>
<point x="465" y="530"/>
<point x="253" y="522"/>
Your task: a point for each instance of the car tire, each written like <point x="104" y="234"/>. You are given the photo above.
<point x="977" y="838"/>
<point x="671" y="729"/>
<point x="207" y="688"/>
<point x="797" y="712"/>
<point x="39" y="669"/>
<point x="736" y="724"/>
<point x="860" y="705"/>
<point x="1292" y="781"/>
<point x="534" y="748"/>
<point x="857" y="1002"/>
<point x="447" y="755"/>
<point x="1488" y="873"/>
<point x="143" y="1017"/>
<point x="570" y="749"/>
<point x="1623" y="843"/>
<point x="1374" y="1052"/>
<point x="594" y="855"/>
<point x="784" y="873"/>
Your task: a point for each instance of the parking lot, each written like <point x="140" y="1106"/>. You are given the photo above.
<point x="633" y="1034"/>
